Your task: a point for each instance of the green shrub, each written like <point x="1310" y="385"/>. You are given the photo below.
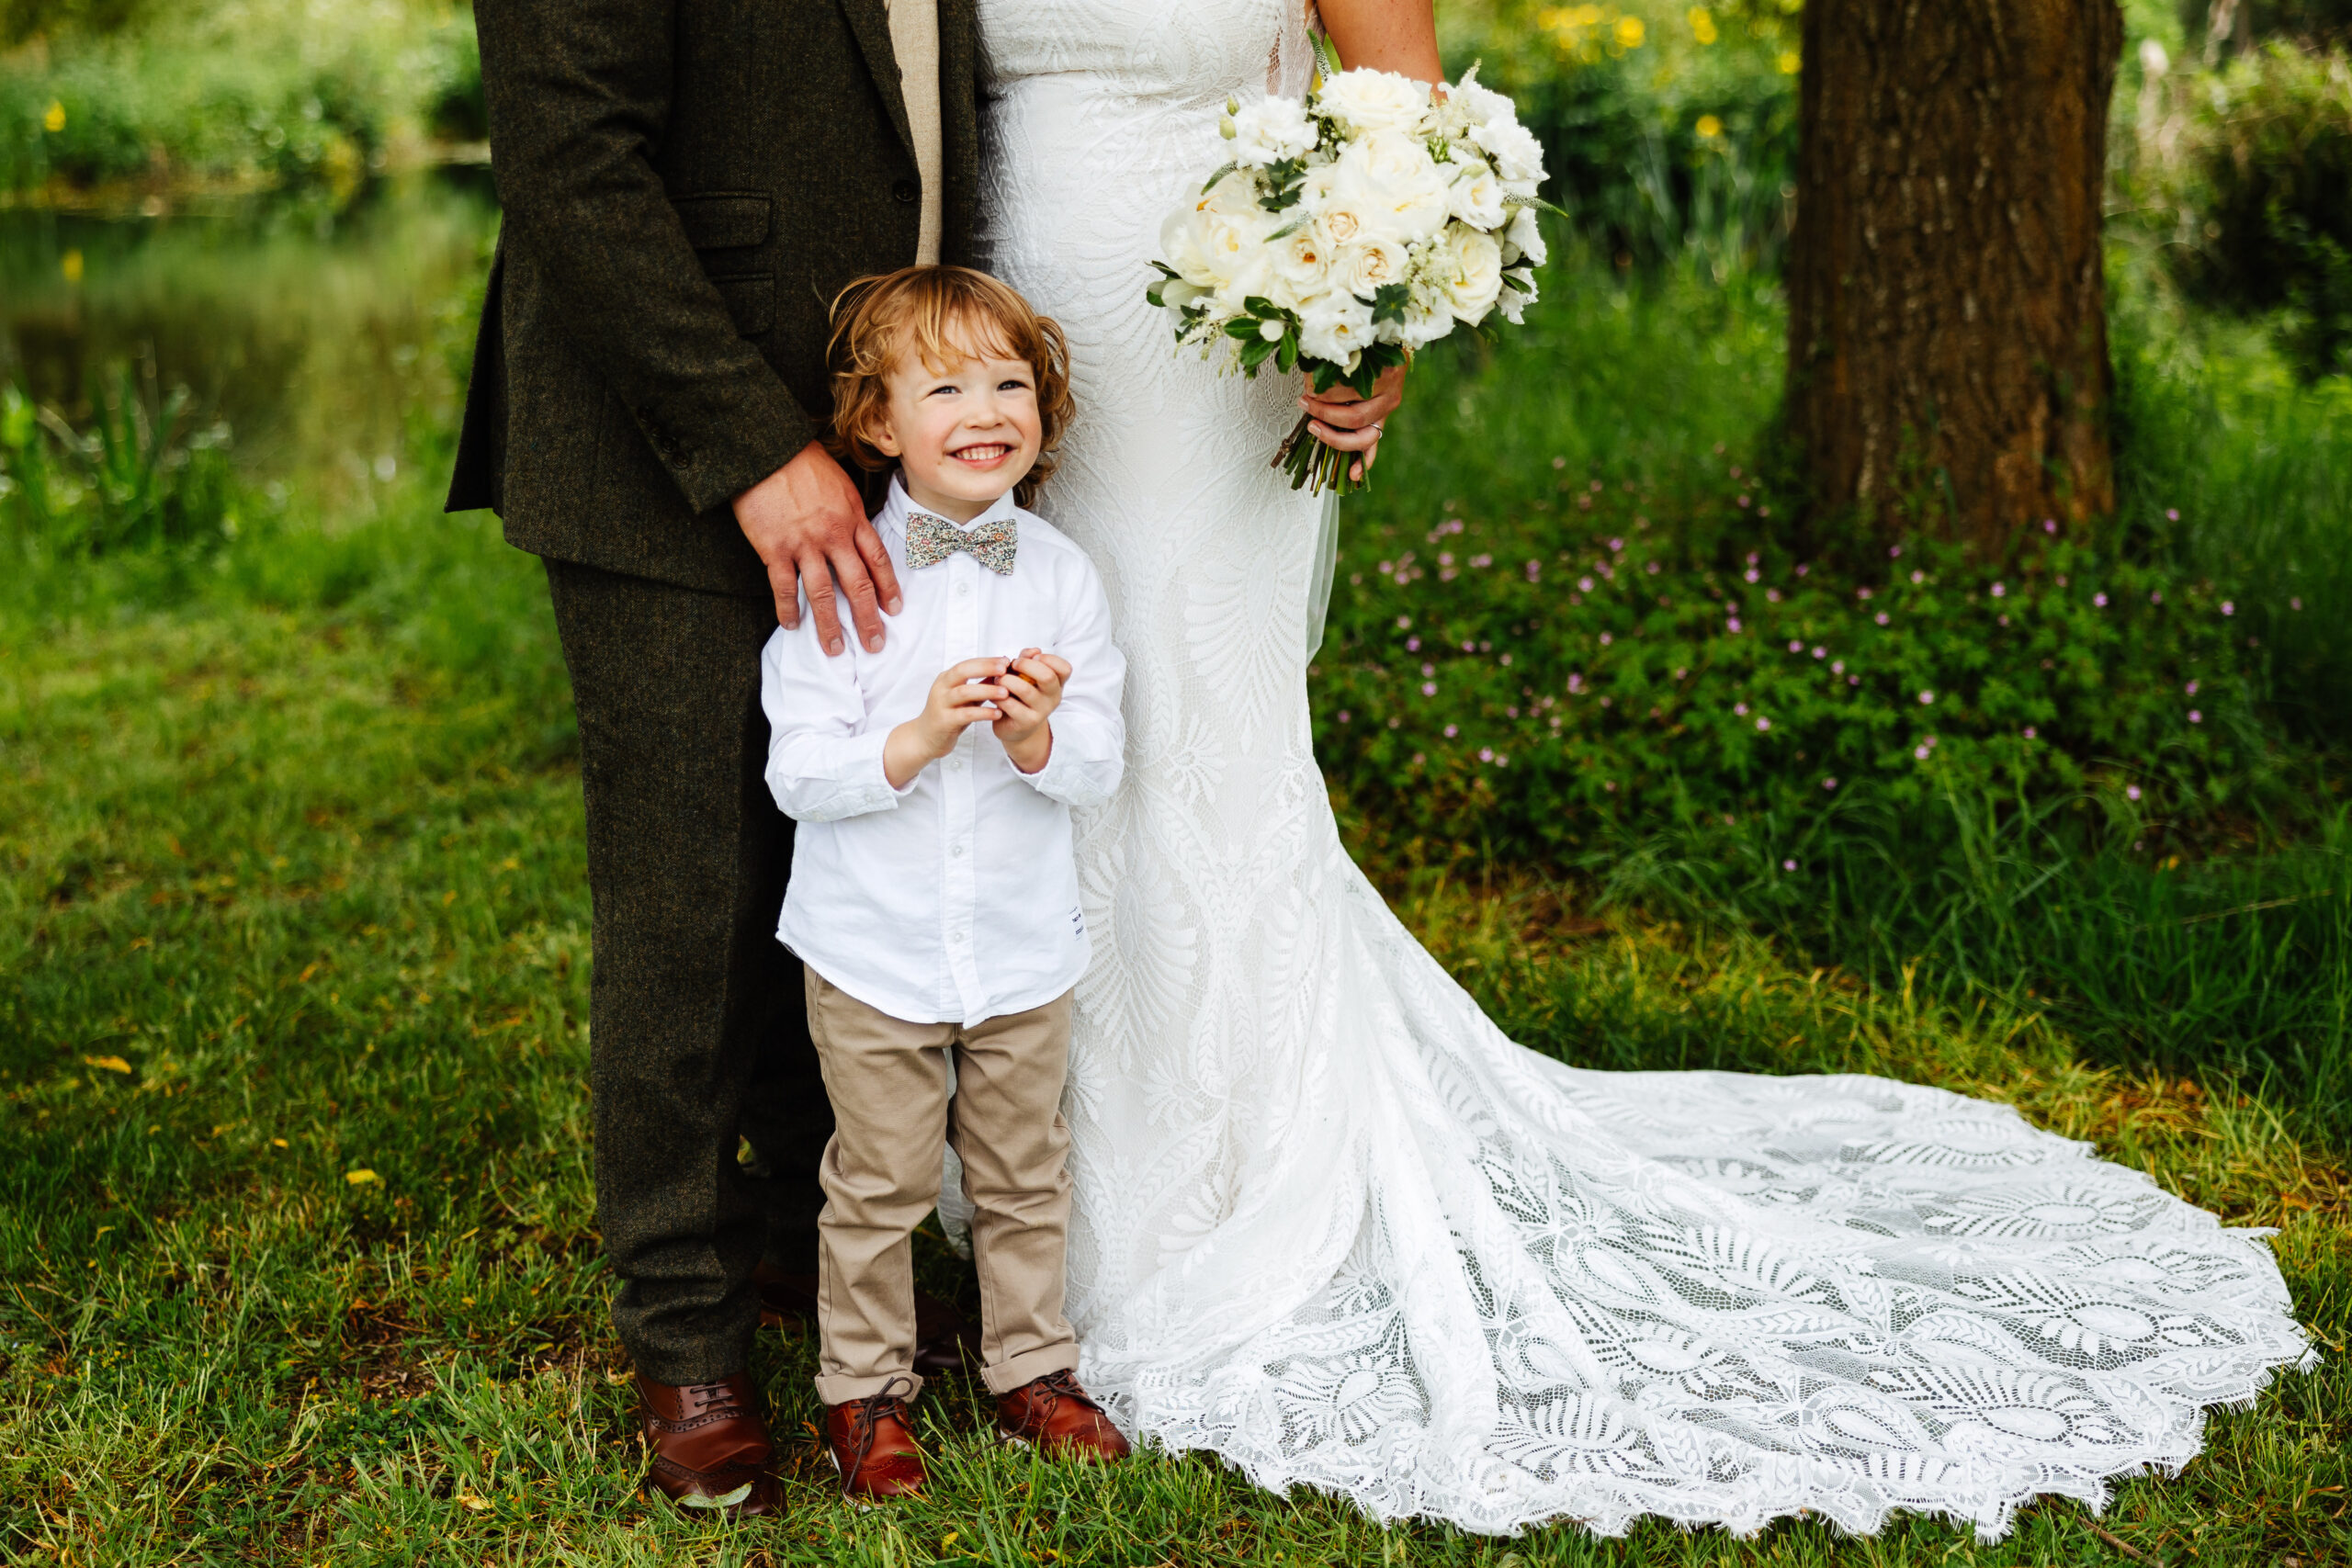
<point x="1667" y="128"/>
<point x="1541" y="654"/>
<point x="1537" y="681"/>
<point x="2261" y="199"/>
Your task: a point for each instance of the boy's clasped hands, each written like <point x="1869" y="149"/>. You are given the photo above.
<point x="1016" y="698"/>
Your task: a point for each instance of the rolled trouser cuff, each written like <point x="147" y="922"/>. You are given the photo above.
<point x="838" y="1388"/>
<point x="1029" y="1366"/>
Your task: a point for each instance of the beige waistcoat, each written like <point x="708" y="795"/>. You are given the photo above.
<point x="914" y="38"/>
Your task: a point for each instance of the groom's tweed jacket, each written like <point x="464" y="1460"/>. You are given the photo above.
<point x="687" y="184"/>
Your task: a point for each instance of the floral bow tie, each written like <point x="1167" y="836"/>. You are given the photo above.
<point x="932" y="539"/>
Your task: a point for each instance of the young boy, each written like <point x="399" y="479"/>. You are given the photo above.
<point x="933" y="895"/>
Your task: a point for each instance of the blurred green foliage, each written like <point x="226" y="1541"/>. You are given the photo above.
<point x="1669" y="129"/>
<point x="136" y="476"/>
<point x="22" y="19"/>
<point x="238" y="94"/>
<point x="2255" y="195"/>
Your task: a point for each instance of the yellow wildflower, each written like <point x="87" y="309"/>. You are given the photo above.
<point x="1630" y="32"/>
<point x="55" y="121"/>
<point x="1709" y="127"/>
<point x="1703" y="25"/>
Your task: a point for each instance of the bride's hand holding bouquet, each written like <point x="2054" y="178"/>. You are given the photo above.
<point x="1351" y="228"/>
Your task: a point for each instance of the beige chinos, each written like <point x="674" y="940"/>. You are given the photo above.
<point x="893" y="1115"/>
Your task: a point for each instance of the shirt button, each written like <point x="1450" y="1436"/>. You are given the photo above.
<point x="958" y="851"/>
<point x="957" y="938"/>
<point x="904" y="190"/>
<point x="962" y="589"/>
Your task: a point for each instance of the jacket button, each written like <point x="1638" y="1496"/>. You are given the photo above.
<point x="904" y="190"/>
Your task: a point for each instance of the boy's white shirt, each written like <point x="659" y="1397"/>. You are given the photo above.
<point x="955" y="899"/>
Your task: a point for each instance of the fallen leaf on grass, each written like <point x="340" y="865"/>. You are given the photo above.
<point x="111" y="1064"/>
<point x="468" y="1500"/>
<point x="360" y="1178"/>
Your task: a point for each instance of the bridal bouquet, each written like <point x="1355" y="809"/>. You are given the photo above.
<point x="1352" y="227"/>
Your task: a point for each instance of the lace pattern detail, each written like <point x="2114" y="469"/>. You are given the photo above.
<point x="1335" y="1227"/>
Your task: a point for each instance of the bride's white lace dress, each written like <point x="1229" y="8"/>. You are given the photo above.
<point x="1332" y="1225"/>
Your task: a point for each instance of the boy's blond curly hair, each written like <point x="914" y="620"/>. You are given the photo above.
<point x="942" y="314"/>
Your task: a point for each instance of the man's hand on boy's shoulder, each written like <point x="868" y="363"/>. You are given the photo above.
<point x="809" y="525"/>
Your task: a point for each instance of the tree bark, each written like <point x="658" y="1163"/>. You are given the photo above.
<point x="1947" y="365"/>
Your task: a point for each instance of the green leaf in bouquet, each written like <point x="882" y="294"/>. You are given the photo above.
<point x="1286" y="351"/>
<point x="1287" y="230"/>
<point x="1254" y="353"/>
<point x="1287" y="180"/>
<point x="1519" y="281"/>
<point x="1222" y="170"/>
<point x="1389" y="302"/>
<point x="1165" y="271"/>
<point x="1243" y="327"/>
<point x="1326" y="55"/>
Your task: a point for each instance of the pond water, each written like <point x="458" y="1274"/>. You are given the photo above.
<point x="331" y="343"/>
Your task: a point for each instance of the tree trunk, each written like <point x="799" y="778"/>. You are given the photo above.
<point x="1948" y="363"/>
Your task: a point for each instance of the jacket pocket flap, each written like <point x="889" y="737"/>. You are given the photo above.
<point x="723" y="222"/>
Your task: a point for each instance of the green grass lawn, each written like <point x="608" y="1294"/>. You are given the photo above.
<point x="298" y="1260"/>
<point x="297" y="1257"/>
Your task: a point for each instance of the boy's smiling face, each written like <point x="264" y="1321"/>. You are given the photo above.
<point x="965" y="434"/>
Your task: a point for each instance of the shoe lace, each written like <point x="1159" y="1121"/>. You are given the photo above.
<point x="1064" y="1385"/>
<point x="864" y="1414"/>
<point x="702" y="1399"/>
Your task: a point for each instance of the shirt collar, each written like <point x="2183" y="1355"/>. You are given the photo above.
<point x="895" y="510"/>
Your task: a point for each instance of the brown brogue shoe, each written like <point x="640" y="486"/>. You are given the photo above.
<point x="1060" y="1417"/>
<point x="710" y="1446"/>
<point x="945" y="1340"/>
<point x="873" y="1444"/>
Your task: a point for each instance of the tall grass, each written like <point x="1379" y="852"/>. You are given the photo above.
<point x="2214" y="425"/>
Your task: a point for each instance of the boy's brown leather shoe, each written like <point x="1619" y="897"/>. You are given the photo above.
<point x="710" y="1446"/>
<point x="1060" y="1417"/>
<point x="873" y="1444"/>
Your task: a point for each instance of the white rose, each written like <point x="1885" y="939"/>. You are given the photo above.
<point x="1479" y="104"/>
<point x="1470" y="271"/>
<point x="1512" y="302"/>
<point x="1340" y="217"/>
<point x="1181" y="247"/>
<point x="1392" y="179"/>
<point x="1373" y="100"/>
<point x="1515" y="151"/>
<point x="1526" y="233"/>
<point x="1428" y="317"/>
<point x="1302" y="265"/>
<point x="1223" y="247"/>
<point x="1271" y="131"/>
<point x="1335" y="326"/>
<point x="1370" y="265"/>
<point x="1476" y="197"/>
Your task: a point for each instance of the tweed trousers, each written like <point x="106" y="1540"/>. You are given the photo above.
<point x="699" y="1036"/>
